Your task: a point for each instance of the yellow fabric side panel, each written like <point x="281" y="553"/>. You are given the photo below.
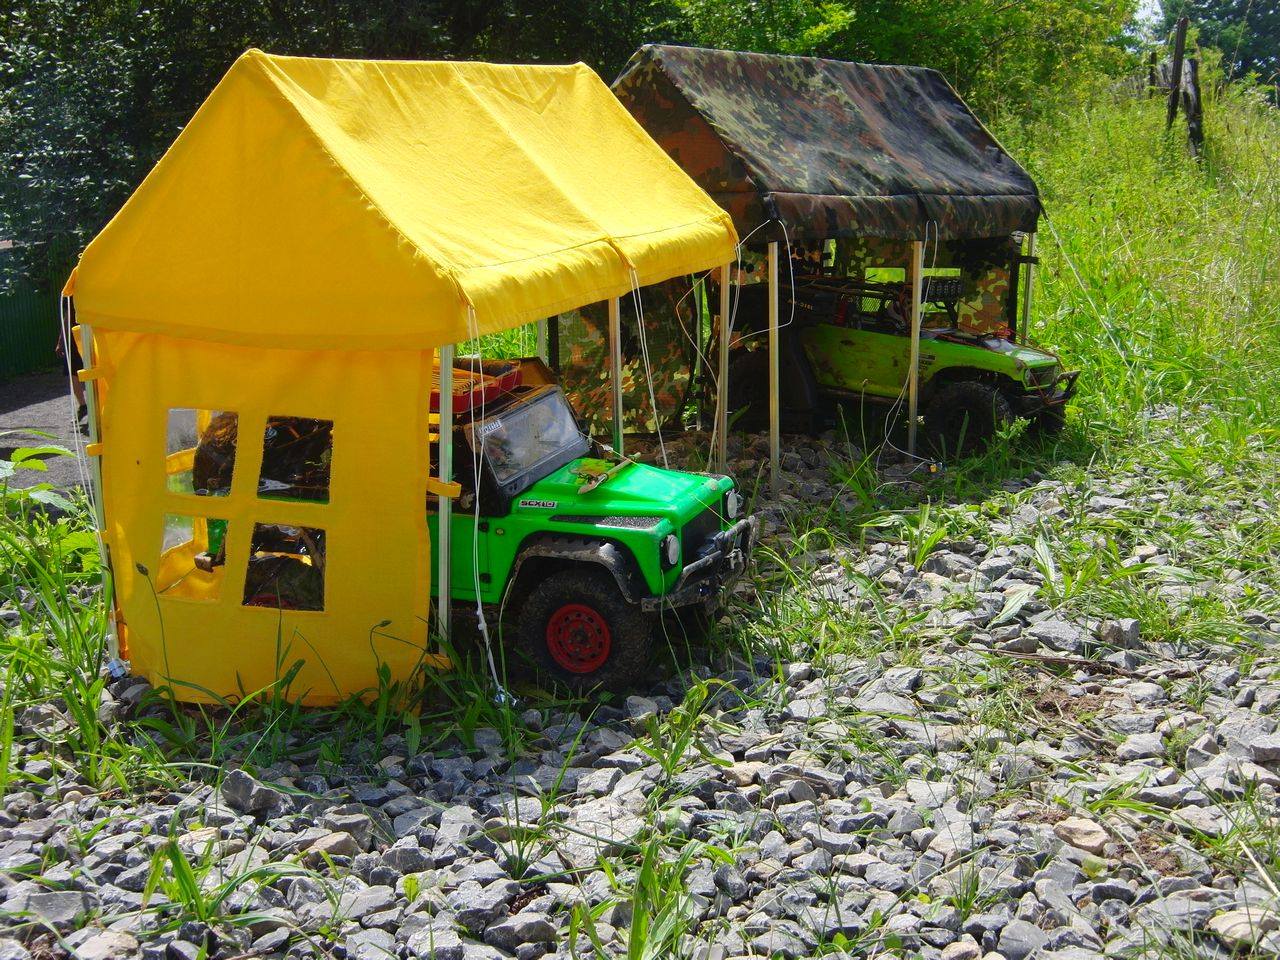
<point x="206" y="641"/>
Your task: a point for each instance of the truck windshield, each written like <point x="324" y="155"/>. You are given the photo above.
<point x="541" y="433"/>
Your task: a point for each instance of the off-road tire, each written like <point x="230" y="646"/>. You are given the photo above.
<point x="963" y="416"/>
<point x="1050" y="422"/>
<point x="581" y="601"/>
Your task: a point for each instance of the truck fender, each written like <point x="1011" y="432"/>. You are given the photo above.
<point x="603" y="553"/>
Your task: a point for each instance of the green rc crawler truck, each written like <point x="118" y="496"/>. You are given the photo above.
<point x="848" y="338"/>
<point x="587" y="556"/>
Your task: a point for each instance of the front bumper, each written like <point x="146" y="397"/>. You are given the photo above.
<point x="1055" y="394"/>
<point x="718" y="568"/>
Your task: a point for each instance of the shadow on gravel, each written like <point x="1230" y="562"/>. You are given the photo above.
<point x="1009" y="463"/>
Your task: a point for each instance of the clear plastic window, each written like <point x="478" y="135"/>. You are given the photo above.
<point x="286" y="567"/>
<point x="519" y="440"/>
<point x="296" y="453"/>
<point x="192" y="556"/>
<point x="200" y="447"/>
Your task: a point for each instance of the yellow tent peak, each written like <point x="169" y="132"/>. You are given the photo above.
<point x="329" y="203"/>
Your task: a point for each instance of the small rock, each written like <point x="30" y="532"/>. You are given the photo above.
<point x="331" y="845"/>
<point x="1019" y="939"/>
<point x="1243" y="928"/>
<point x="1140" y="746"/>
<point x="247" y="795"/>
<point x="963" y="949"/>
<point x="1125" y="634"/>
<point x="1265" y="749"/>
<point x="1083" y="833"/>
<point x="108" y="945"/>
<point x="1061" y="635"/>
<point x="527" y="926"/>
<point x="60" y="909"/>
<point x="1143" y="692"/>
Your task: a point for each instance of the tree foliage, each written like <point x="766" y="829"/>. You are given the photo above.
<point x="1247" y="32"/>
<point x="93" y="91"/>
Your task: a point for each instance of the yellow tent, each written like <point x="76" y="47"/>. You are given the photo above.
<point x="283" y="276"/>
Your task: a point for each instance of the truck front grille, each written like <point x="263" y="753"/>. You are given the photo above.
<point x="624" y="523"/>
<point x="697" y="532"/>
<point x="1044" y="376"/>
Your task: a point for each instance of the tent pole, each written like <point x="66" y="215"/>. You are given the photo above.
<point x="722" y="377"/>
<point x="615" y="368"/>
<point x="89" y="356"/>
<point x="775" y="413"/>
<point x="913" y="371"/>
<point x="444" y="505"/>
<point x="553" y="344"/>
<point x="542" y="340"/>
<point x="1027" y="286"/>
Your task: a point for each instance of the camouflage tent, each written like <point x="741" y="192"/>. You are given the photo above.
<point x="830" y="149"/>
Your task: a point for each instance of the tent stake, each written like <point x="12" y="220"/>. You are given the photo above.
<point x="444" y="505"/>
<point x="615" y="368"/>
<point x="1027" y="286"/>
<point x="775" y="413"/>
<point x="722" y="376"/>
<point x="913" y="372"/>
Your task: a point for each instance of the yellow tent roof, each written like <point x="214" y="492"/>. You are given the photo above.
<point x="364" y="204"/>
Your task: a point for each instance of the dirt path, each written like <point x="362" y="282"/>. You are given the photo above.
<point x="40" y="403"/>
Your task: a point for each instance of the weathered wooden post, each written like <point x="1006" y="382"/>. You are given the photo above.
<point x="1175" y="73"/>
<point x="1192" y="106"/>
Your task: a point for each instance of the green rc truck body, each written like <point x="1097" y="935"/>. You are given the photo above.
<point x="590" y="555"/>
<point x="849" y="339"/>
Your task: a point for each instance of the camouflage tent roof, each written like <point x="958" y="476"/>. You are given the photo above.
<point x="827" y="147"/>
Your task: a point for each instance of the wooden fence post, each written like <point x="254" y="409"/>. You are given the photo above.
<point x="1175" y="75"/>
<point x="1192" y="107"/>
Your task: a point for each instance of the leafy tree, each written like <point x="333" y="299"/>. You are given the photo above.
<point x="997" y="54"/>
<point x="1246" y="31"/>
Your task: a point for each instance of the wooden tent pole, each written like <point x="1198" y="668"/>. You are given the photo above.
<point x="775" y="413"/>
<point x="444" y="505"/>
<point x="913" y="373"/>
<point x="1028" y="286"/>
<point x="89" y="357"/>
<point x="615" y="368"/>
<point x="553" y="344"/>
<point x="722" y="376"/>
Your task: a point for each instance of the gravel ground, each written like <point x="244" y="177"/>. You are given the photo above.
<point x="41" y="402"/>
<point x="973" y="769"/>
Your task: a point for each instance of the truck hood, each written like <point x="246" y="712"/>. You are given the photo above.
<point x="1019" y="353"/>
<point x="635" y="489"/>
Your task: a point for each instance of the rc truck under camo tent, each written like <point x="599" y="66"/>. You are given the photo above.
<point x="905" y="222"/>
<point x="272" y="432"/>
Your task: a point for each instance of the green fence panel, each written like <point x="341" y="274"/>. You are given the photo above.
<point x="28" y="330"/>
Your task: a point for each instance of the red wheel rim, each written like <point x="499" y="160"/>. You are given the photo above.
<point x="578" y="638"/>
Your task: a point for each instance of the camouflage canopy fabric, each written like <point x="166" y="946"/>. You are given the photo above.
<point x="830" y="149"/>
<point x="671" y="328"/>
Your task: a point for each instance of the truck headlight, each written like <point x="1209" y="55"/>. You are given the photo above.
<point x="670" y="550"/>
<point x="732" y="505"/>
